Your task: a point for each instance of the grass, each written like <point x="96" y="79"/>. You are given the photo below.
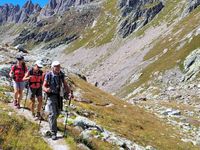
<point x="129" y="121"/>
<point x="150" y="5"/>
<point x="18" y="133"/>
<point x="104" y="30"/>
<point x="174" y="56"/>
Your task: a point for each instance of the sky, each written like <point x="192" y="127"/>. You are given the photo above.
<point x="22" y="2"/>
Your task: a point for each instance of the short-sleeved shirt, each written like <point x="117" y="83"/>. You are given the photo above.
<point x="19" y="72"/>
<point x="54" y="81"/>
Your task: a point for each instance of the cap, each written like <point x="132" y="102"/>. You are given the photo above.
<point x="39" y="63"/>
<point x="55" y="63"/>
<point x="19" y="57"/>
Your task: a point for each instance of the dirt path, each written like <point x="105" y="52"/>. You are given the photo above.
<point x="59" y="144"/>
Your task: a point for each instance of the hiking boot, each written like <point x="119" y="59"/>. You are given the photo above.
<point x="18" y="106"/>
<point x="33" y="114"/>
<point x="48" y="134"/>
<point x="54" y="137"/>
<point x="15" y="102"/>
<point x="38" y="115"/>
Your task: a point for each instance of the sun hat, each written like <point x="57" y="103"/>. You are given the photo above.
<point x="19" y="57"/>
<point x="39" y="63"/>
<point x="55" y="63"/>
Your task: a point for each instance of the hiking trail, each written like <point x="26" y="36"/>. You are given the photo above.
<point x="59" y="144"/>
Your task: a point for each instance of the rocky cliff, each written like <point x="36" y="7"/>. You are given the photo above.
<point x="191" y="5"/>
<point x="14" y="14"/>
<point x="136" y="14"/>
<point x="60" y="6"/>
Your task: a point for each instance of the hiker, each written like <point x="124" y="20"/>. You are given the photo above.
<point x="35" y="80"/>
<point x="17" y="73"/>
<point x="53" y="84"/>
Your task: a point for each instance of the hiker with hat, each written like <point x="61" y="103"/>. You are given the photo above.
<point x="35" y="79"/>
<point x="54" y="84"/>
<point x="17" y="73"/>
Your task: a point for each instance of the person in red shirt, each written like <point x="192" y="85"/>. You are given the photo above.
<point x="35" y="80"/>
<point x="17" y="73"/>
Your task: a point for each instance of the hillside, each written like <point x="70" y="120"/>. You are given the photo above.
<point x="145" y="54"/>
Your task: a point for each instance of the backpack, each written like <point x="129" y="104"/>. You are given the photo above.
<point x="61" y="77"/>
<point x="39" y="73"/>
<point x="23" y="67"/>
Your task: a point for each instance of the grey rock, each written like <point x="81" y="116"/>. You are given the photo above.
<point x="192" y="65"/>
<point x="133" y="10"/>
<point x="192" y="4"/>
<point x="171" y="88"/>
<point x="85" y="123"/>
<point x="4" y="70"/>
<point x="14" y="14"/>
<point x="59" y="7"/>
<point x="171" y="112"/>
<point x="82" y="147"/>
<point x="149" y="148"/>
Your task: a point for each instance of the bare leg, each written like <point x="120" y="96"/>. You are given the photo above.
<point x="15" y="94"/>
<point x="32" y="105"/>
<point x="19" y="96"/>
<point x="39" y="104"/>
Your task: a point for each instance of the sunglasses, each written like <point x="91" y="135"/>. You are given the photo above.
<point x="39" y="67"/>
<point x="56" y="66"/>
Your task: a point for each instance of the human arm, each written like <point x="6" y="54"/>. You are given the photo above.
<point x="68" y="90"/>
<point x="11" y="73"/>
<point x="45" y="85"/>
<point x="27" y="76"/>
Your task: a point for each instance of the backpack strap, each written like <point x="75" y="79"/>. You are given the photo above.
<point x="15" y="68"/>
<point x="23" y="67"/>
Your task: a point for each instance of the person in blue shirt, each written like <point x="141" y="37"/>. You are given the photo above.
<point x="53" y="85"/>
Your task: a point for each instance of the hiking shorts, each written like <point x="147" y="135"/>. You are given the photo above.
<point x="18" y="85"/>
<point x="35" y="92"/>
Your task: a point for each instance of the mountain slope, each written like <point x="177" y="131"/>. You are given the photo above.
<point x="145" y="52"/>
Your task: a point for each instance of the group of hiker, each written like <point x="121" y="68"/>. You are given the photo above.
<point x="53" y="84"/>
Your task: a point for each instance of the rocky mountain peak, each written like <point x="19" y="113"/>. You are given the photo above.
<point x="52" y="4"/>
<point x="7" y="12"/>
<point x="60" y="6"/>
<point x="137" y="13"/>
<point x="13" y="13"/>
<point x="30" y="8"/>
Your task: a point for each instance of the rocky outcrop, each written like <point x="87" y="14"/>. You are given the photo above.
<point x="192" y="65"/>
<point x="136" y="14"/>
<point x="28" y="12"/>
<point x="91" y="129"/>
<point x="60" y="6"/>
<point x="10" y="13"/>
<point x="192" y="4"/>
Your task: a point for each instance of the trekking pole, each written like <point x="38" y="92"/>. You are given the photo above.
<point x="66" y="118"/>
<point x="43" y="108"/>
<point x="27" y="91"/>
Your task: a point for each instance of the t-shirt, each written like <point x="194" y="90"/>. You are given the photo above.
<point x="19" y="72"/>
<point x="54" y="81"/>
